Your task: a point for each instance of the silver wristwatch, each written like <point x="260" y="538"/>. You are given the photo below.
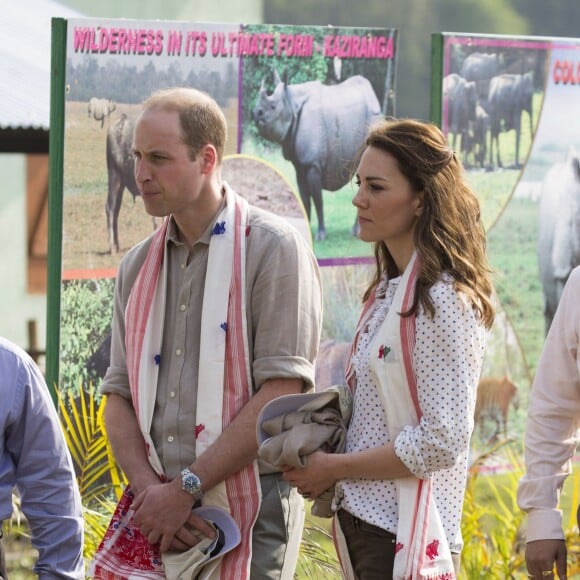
<point x="191" y="483"/>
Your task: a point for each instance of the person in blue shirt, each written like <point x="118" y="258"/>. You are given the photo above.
<point x="35" y="460"/>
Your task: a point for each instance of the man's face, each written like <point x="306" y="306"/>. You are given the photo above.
<point x="168" y="179"/>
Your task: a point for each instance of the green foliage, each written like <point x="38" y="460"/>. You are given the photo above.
<point x="96" y="523"/>
<point x="85" y="322"/>
<point x="492" y="522"/>
<point x="493" y="525"/>
<point x="97" y="472"/>
<point x="128" y="84"/>
<point x="317" y="558"/>
<point x="99" y="477"/>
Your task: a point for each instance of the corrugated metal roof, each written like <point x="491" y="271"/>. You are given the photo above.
<point x="25" y="47"/>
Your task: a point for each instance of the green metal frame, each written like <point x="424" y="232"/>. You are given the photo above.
<point x="55" y="197"/>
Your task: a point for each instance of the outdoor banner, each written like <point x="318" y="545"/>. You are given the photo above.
<point x="298" y="100"/>
<point x="510" y="107"/>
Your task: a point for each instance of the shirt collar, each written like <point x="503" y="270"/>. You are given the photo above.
<point x="205" y="238"/>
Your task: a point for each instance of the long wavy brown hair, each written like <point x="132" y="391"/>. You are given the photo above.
<point x="449" y="234"/>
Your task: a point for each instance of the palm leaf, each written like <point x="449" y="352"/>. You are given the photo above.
<point x="317" y="558"/>
<point x="83" y="426"/>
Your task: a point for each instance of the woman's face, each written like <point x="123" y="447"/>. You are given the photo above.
<point x="387" y="207"/>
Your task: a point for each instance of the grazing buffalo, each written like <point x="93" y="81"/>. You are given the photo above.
<point x="320" y="128"/>
<point x="120" y="169"/>
<point x="100" y="109"/>
<point x="494" y="397"/>
<point x="509" y="95"/>
<point x="558" y="230"/>
<point x="460" y="98"/>
<point x="474" y="141"/>
<point x="480" y="67"/>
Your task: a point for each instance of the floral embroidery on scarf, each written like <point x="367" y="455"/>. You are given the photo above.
<point x="398" y="547"/>
<point x="219" y="228"/>
<point x="130" y="548"/>
<point x="198" y="429"/>
<point x="224" y="326"/>
<point x="384" y="351"/>
<point x="157" y="359"/>
<point x="248" y="229"/>
<point x="432" y="550"/>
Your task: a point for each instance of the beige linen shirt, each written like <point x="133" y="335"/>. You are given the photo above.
<point x="553" y="419"/>
<point x="283" y="310"/>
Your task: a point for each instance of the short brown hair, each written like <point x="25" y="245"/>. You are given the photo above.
<point x="202" y="121"/>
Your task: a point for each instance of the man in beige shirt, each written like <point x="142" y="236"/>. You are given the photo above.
<point x="551" y="436"/>
<point x="178" y="146"/>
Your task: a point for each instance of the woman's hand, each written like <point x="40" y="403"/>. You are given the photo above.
<point x="316" y="477"/>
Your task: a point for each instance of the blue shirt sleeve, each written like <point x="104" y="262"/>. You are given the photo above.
<point x="36" y="460"/>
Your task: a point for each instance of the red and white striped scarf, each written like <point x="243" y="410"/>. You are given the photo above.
<point x="422" y="551"/>
<point x="124" y="552"/>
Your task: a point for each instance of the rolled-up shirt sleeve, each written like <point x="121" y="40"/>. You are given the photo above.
<point x="286" y="310"/>
<point x="553" y="419"/>
<point x="447" y="360"/>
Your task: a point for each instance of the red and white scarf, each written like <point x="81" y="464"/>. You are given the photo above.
<point x="422" y="551"/>
<point x="124" y="552"/>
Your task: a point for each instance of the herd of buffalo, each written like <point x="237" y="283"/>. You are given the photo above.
<point x="482" y="101"/>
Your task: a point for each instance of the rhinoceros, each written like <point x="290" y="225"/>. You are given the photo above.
<point x="559" y="230"/>
<point x="321" y="128"/>
<point x="100" y="109"/>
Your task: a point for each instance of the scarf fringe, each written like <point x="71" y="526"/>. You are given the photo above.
<point x="433" y="576"/>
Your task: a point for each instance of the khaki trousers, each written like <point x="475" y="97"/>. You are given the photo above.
<point x="278" y="530"/>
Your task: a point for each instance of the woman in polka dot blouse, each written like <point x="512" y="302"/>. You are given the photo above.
<point x="415" y="364"/>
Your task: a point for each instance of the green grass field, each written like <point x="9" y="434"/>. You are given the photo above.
<point x="513" y="254"/>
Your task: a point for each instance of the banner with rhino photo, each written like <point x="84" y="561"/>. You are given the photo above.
<point x="510" y="107"/>
<point x="298" y="100"/>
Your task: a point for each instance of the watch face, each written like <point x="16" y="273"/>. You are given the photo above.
<point x="190" y="483"/>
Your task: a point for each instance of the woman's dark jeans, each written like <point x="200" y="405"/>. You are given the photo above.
<point x="371" y="549"/>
